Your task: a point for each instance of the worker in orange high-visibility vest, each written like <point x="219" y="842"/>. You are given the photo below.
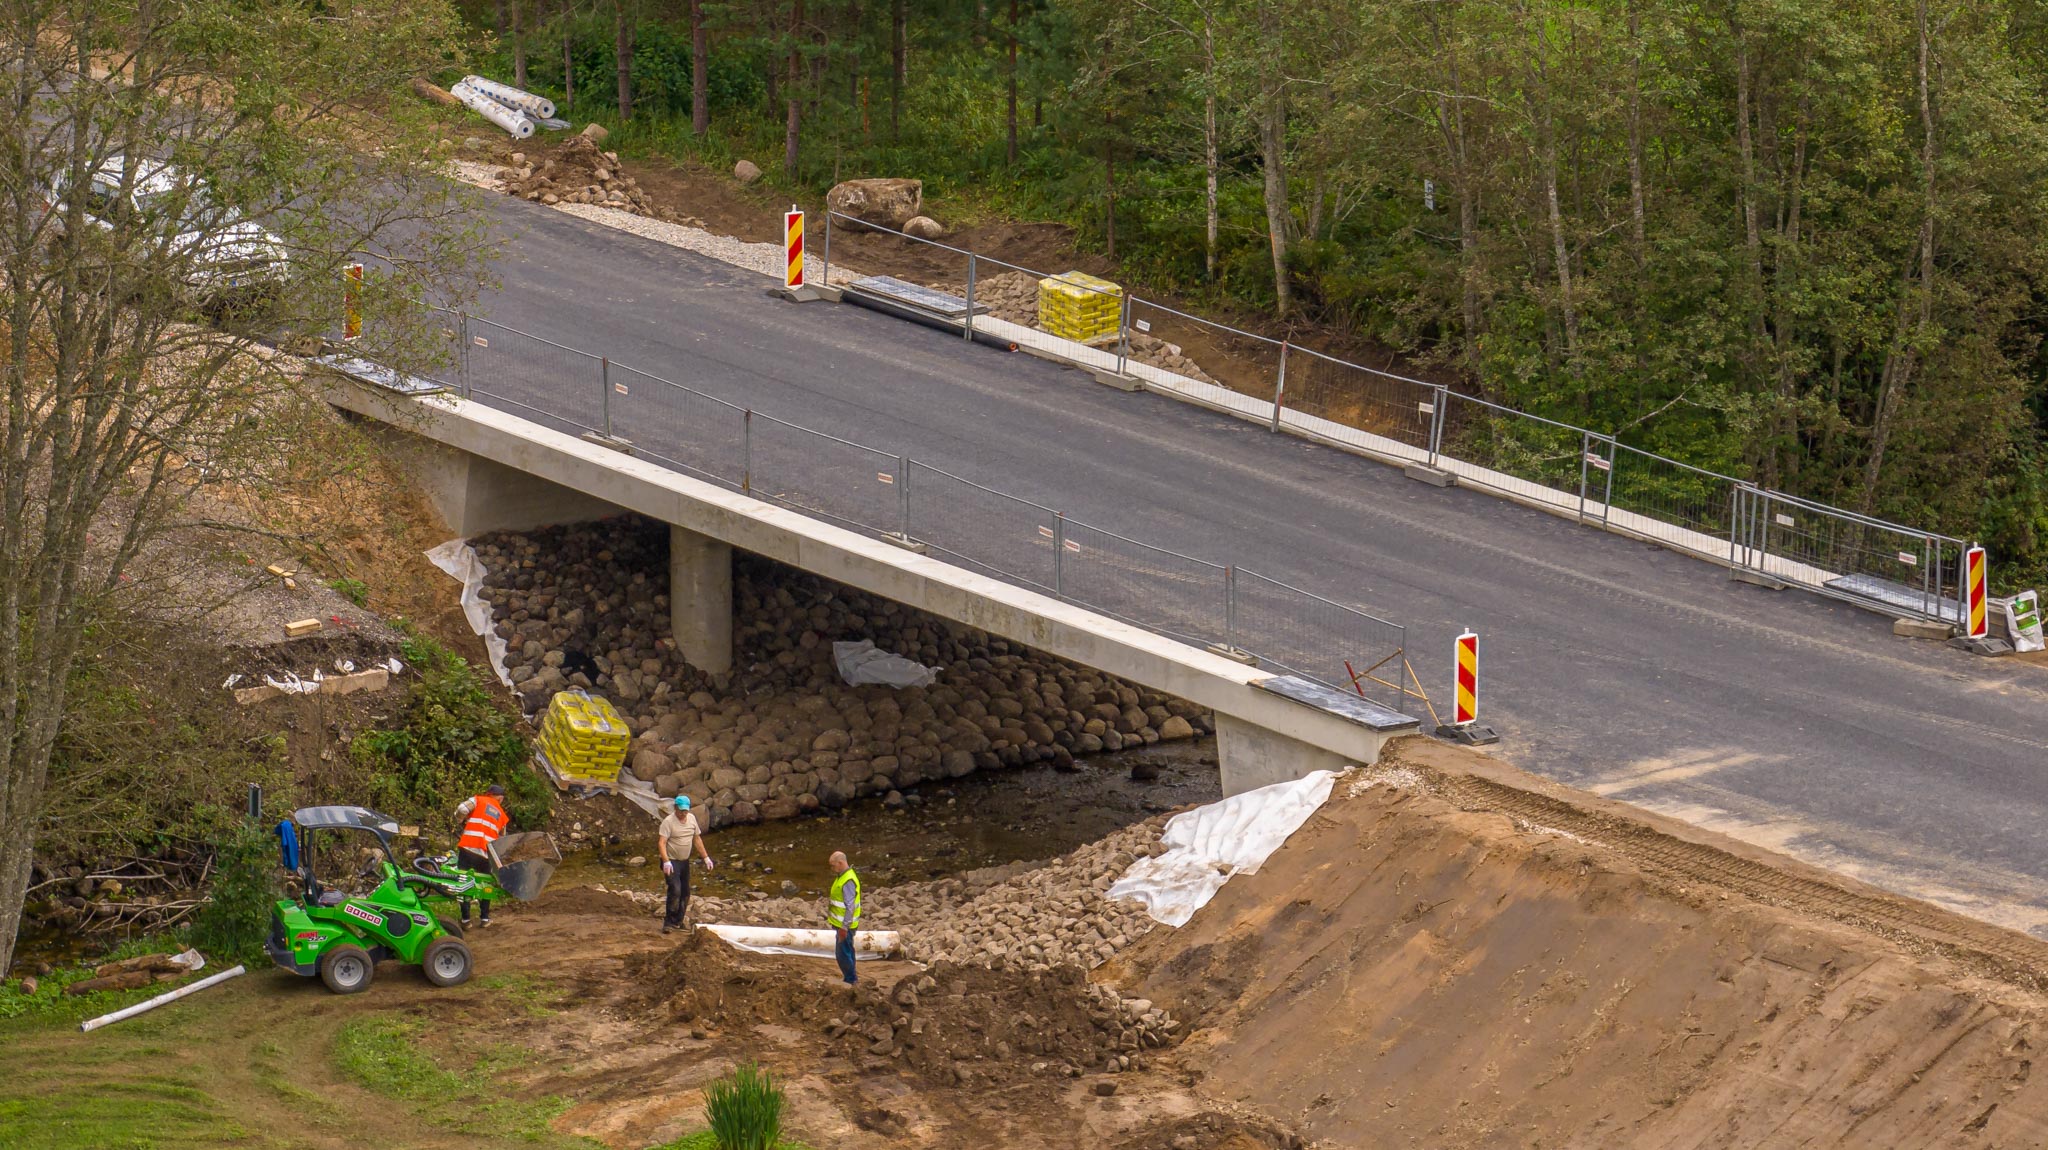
<point x="483" y="820"/>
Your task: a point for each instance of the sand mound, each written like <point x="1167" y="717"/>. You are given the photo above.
<point x="587" y="900"/>
<point x="1407" y="972"/>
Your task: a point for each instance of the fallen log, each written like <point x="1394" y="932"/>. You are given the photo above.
<point x="434" y="93"/>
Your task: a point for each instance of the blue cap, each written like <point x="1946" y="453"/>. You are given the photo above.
<point x="682" y="802"/>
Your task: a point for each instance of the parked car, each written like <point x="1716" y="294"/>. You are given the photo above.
<point x="224" y="256"/>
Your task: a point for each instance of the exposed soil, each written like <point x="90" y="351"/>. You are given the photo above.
<point x="1459" y="956"/>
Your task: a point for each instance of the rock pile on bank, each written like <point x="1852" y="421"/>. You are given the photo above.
<point x="1030" y="915"/>
<point x="577" y="172"/>
<point x="586" y="606"/>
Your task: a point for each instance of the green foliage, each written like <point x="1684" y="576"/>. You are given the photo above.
<point x="50" y="1005"/>
<point x="1767" y="352"/>
<point x="745" y="1109"/>
<point x="455" y="741"/>
<point x="236" y="917"/>
<point x="354" y="590"/>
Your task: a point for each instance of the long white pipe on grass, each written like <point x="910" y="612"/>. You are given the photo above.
<point x="538" y="107"/>
<point x="159" y="1000"/>
<point x="511" y="119"/>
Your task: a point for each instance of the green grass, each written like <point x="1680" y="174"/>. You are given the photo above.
<point x="384" y="1055"/>
<point x="354" y="590"/>
<point x="706" y="1140"/>
<point x="132" y="1114"/>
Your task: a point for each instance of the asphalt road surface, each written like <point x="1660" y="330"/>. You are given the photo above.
<point x="1779" y="717"/>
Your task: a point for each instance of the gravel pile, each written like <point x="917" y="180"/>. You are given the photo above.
<point x="586" y="606"/>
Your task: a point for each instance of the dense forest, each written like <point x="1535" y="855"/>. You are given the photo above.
<point x="1797" y="241"/>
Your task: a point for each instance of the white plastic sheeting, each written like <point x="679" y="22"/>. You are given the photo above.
<point x="802" y="942"/>
<point x="512" y="120"/>
<point x="458" y="559"/>
<point x="535" y="107"/>
<point x="1207" y="845"/>
<point x="863" y="662"/>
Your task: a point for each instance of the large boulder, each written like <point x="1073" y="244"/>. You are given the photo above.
<point x="888" y="202"/>
<point x="746" y="172"/>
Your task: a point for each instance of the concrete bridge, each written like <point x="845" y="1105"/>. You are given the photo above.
<point x="487" y="470"/>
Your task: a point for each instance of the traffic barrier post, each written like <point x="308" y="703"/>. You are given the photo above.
<point x="793" y="243"/>
<point x="1465" y="726"/>
<point x="1976" y="616"/>
<point x="352" y="302"/>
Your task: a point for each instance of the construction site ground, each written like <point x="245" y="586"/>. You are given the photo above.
<point x="1448" y="954"/>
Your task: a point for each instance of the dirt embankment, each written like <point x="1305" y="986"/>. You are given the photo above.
<point x="1446" y="960"/>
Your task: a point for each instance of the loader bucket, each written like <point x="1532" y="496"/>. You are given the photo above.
<point x="524" y="862"/>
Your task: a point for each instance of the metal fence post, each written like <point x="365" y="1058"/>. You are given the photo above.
<point x="1230" y="606"/>
<point x="462" y="352"/>
<point x="747" y="452"/>
<point x="1607" y="489"/>
<point x="1123" y="334"/>
<point x="1734" y="518"/>
<point x="1059" y="547"/>
<point x="1280" y="389"/>
<point x="967" y="328"/>
<point x="903" y="492"/>
<point x="1585" y="461"/>
<point x="604" y="380"/>
<point x="1436" y="422"/>
<point x="825" y="272"/>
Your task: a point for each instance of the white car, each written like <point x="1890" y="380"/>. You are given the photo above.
<point x="226" y="254"/>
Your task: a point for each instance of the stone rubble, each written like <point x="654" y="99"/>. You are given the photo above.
<point x="586" y="606"/>
<point x="577" y="172"/>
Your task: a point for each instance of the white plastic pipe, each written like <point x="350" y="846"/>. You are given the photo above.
<point x="808" y="943"/>
<point x="538" y="107"/>
<point x="510" y="119"/>
<point x="159" y="1000"/>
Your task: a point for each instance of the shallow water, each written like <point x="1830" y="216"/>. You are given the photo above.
<point x="945" y="828"/>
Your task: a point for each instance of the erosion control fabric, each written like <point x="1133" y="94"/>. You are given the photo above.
<point x="1207" y="845"/>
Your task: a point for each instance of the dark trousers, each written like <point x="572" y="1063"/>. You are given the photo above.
<point x="473" y="860"/>
<point x="842" y="949"/>
<point x="678" y="895"/>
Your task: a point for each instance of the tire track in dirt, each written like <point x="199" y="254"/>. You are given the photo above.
<point x="1994" y="952"/>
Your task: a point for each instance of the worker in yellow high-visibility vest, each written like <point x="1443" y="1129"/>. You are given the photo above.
<point x="843" y="914"/>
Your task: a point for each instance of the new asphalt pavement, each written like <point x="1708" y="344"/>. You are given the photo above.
<point x="1779" y="717"/>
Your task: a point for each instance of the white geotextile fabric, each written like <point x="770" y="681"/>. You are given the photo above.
<point x="458" y="559"/>
<point x="1207" y="845"/>
<point x="863" y="662"/>
<point x="804" y="943"/>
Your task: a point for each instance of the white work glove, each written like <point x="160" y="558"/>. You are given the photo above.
<point x="668" y="867"/>
<point x="708" y="864"/>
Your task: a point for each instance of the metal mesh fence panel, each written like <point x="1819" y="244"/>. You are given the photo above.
<point x="981" y="528"/>
<point x="685" y="429"/>
<point x="528" y="375"/>
<point x="1075" y="318"/>
<point x="1368" y="409"/>
<point x="1679" y="506"/>
<point x="1850" y="556"/>
<point x="1186" y="353"/>
<point x="1517" y="454"/>
<point x="1148" y="586"/>
<point x="1308" y="635"/>
<point x="824" y="475"/>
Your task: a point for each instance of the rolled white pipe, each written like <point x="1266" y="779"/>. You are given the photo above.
<point x="510" y="119"/>
<point x="159" y="1000"/>
<point x="796" y="940"/>
<point x="538" y="107"/>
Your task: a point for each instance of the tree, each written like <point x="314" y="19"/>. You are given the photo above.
<point x="700" y="70"/>
<point x="625" y="21"/>
<point x="137" y="377"/>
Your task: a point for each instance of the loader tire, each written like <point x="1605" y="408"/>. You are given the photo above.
<point x="347" y="969"/>
<point x="446" y="962"/>
<point x="450" y="927"/>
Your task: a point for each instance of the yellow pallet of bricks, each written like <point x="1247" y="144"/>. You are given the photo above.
<point x="584" y="736"/>
<point x="1080" y="307"/>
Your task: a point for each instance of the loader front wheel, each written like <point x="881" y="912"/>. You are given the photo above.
<point x="347" y="969"/>
<point x="446" y="962"/>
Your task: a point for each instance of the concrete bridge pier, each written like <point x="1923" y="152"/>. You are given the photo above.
<point x="700" y="599"/>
